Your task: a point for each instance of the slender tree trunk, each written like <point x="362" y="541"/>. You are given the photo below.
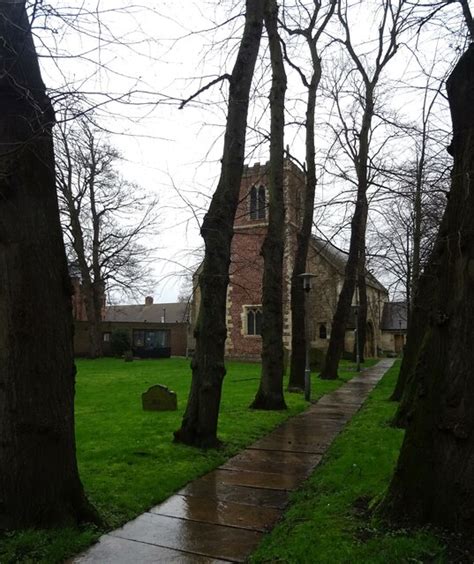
<point x="298" y="313"/>
<point x="97" y="286"/>
<point x="434" y="479"/>
<point x="418" y="322"/>
<point x="343" y="309"/>
<point x="199" y="425"/>
<point x="362" y="311"/>
<point x="417" y="217"/>
<point x="415" y="280"/>
<point x="357" y="243"/>
<point x="270" y="393"/>
<point x="93" y="298"/>
<point x="39" y="480"/>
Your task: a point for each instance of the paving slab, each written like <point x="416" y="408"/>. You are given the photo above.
<point x="114" y="550"/>
<point x="203" y="487"/>
<point x="218" y="512"/>
<point x="265" y="480"/>
<point x="282" y="443"/>
<point x="222" y="516"/>
<point x="300" y="464"/>
<point x="213" y="541"/>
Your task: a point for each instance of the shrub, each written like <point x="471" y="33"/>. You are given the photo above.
<point x="119" y="342"/>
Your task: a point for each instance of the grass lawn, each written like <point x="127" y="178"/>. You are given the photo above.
<point x="127" y="460"/>
<point x="329" y="520"/>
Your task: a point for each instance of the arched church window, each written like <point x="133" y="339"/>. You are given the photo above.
<point x="258" y="202"/>
<point x="323" y="332"/>
<point x="254" y="321"/>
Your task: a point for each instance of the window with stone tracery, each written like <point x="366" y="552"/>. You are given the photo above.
<point x="254" y="320"/>
<point x="258" y="202"/>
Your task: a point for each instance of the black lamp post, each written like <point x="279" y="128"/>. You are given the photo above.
<point x="306" y="277"/>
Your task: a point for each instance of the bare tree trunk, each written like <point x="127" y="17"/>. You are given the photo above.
<point x="418" y="323"/>
<point x="199" y="425"/>
<point x="270" y="393"/>
<point x="357" y="244"/>
<point x="298" y="337"/>
<point x="312" y="35"/>
<point x="362" y="310"/>
<point x="343" y="309"/>
<point x="434" y="479"/>
<point x="93" y="298"/>
<point x="417" y="216"/>
<point x="39" y="480"/>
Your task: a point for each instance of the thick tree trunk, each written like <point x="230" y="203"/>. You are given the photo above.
<point x="434" y="479"/>
<point x="270" y="393"/>
<point x="298" y="312"/>
<point x="39" y="480"/>
<point x="199" y="425"/>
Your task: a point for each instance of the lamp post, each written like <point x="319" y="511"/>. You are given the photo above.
<point x="306" y="277"/>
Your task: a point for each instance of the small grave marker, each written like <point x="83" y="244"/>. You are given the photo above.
<point x="159" y="398"/>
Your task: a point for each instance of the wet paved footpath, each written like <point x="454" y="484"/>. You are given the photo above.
<point x="222" y="516"/>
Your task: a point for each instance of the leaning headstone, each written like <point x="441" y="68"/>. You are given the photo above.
<point x="159" y="398"/>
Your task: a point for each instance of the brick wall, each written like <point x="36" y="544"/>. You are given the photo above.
<point x="178" y="335"/>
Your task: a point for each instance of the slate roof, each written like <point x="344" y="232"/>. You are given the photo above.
<point x="394" y="316"/>
<point x="173" y="313"/>
<point x="338" y="258"/>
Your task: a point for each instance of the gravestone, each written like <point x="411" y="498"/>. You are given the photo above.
<point x="128" y="356"/>
<point x="159" y="398"/>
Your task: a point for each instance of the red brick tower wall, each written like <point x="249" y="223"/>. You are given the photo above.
<point x="246" y="272"/>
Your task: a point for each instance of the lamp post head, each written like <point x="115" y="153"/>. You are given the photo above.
<point x="306" y="277"/>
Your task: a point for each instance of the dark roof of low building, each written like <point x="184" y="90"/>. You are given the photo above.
<point x="394" y="316"/>
<point x="153" y="313"/>
<point x="338" y="258"/>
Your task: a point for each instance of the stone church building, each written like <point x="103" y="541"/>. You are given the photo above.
<point x="325" y="261"/>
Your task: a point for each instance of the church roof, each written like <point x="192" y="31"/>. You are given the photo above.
<point x="394" y="316"/>
<point x="153" y="313"/>
<point x="338" y="258"/>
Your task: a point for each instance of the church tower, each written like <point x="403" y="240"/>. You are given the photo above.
<point x="244" y="297"/>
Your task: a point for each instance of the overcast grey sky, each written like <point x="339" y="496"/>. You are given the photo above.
<point x="161" y="50"/>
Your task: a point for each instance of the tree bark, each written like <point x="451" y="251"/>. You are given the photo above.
<point x="39" y="480"/>
<point x="270" y="393"/>
<point x="199" y="425"/>
<point x="434" y="479"/>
